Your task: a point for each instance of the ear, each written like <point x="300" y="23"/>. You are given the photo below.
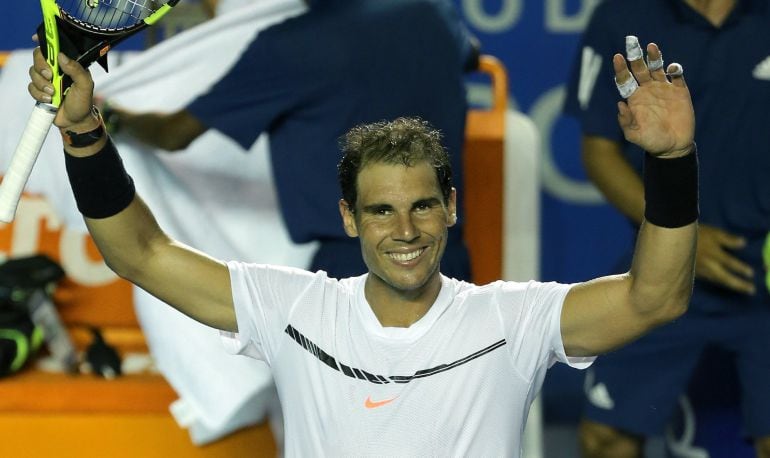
<point x="348" y="219"/>
<point x="452" y="209"/>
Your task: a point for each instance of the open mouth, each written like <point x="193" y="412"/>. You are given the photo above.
<point x="406" y="257"/>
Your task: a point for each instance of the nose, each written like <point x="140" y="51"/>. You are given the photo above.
<point x="405" y="230"/>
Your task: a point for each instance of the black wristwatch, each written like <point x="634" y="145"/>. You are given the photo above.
<point x="81" y="140"/>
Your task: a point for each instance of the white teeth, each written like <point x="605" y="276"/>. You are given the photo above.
<point x="404" y="257"/>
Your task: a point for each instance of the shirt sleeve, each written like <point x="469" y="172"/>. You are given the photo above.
<point x="263" y="297"/>
<point x="258" y="90"/>
<point x="531" y="315"/>
<point x="591" y="92"/>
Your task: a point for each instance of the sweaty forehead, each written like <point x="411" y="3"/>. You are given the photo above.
<point x="396" y="183"/>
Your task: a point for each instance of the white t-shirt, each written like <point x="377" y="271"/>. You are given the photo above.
<point x="457" y="382"/>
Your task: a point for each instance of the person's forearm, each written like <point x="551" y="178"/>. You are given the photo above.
<point x="609" y="171"/>
<point x="662" y="271"/>
<point x="663" y="268"/>
<point x="121" y="230"/>
<point x="171" y="132"/>
<point x="134" y="246"/>
<point x="152" y="129"/>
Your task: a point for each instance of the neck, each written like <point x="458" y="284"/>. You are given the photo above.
<point x="715" y="11"/>
<point x="398" y="308"/>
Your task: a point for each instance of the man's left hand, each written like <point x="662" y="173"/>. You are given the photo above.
<point x="658" y="115"/>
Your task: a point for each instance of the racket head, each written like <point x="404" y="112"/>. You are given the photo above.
<point x="112" y="19"/>
<point x="86" y="29"/>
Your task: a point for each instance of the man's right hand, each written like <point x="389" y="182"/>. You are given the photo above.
<point x="75" y="110"/>
<point x="715" y="263"/>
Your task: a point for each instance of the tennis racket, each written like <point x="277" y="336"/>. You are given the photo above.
<point x="81" y="29"/>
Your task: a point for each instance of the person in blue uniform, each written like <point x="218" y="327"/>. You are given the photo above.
<point x="308" y="80"/>
<point x="631" y="393"/>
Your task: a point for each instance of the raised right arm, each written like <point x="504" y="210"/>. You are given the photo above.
<point x="124" y="229"/>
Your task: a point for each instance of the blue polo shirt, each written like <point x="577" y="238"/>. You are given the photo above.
<point x="308" y="80"/>
<point x="727" y="70"/>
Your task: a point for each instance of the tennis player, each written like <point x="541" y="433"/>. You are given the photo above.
<point x="403" y="360"/>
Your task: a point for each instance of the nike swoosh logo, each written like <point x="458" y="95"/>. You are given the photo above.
<point x="369" y="404"/>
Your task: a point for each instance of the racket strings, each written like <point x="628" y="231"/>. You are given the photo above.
<point x="108" y="15"/>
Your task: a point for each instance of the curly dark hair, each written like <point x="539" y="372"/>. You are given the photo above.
<point x="405" y="141"/>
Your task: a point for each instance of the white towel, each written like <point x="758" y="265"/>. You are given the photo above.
<point x="214" y="196"/>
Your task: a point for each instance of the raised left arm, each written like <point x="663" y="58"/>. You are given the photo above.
<point x="657" y="115"/>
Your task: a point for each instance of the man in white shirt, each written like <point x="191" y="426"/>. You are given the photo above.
<point x="403" y="360"/>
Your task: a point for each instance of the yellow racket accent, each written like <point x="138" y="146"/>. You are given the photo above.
<point x="154" y="17"/>
<point x="50" y="13"/>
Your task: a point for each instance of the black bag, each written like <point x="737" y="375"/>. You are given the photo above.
<point x="20" y="279"/>
<point x="20" y="339"/>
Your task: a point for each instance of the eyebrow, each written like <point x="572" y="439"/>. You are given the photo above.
<point x="374" y="208"/>
<point x="428" y="201"/>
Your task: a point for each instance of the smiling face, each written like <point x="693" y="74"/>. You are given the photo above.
<point x="402" y="220"/>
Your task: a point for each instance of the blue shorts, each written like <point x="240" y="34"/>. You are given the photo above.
<point x="637" y="387"/>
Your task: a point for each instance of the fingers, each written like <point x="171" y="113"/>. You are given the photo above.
<point x="715" y="263"/>
<point x="642" y="71"/>
<point x="655" y="62"/>
<point x="624" y="81"/>
<point x="69" y="66"/>
<point x="737" y="266"/>
<point x="635" y="59"/>
<point x="625" y="117"/>
<point x="40" y="87"/>
<point x="728" y="240"/>
<point x="41" y="75"/>
<point x="74" y="70"/>
<point x="675" y="72"/>
<point x="39" y="62"/>
<point x="719" y="274"/>
<point x="44" y="84"/>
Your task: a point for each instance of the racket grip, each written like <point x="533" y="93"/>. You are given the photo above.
<point x="24" y="158"/>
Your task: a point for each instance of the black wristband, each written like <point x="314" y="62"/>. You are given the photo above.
<point x="671" y="190"/>
<point x="101" y="186"/>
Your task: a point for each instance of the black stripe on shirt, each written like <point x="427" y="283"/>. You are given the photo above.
<point x="361" y="374"/>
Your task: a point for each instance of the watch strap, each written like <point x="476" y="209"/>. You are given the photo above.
<point x="83" y="139"/>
